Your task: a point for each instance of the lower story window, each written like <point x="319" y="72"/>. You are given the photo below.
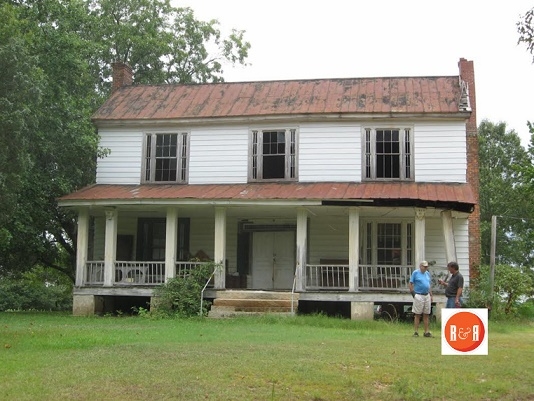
<point x="387" y="243"/>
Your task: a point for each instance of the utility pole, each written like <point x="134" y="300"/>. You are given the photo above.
<point x="492" y="256"/>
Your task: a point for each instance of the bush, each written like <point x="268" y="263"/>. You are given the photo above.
<point x="511" y="286"/>
<point x="34" y="292"/>
<point x="180" y="296"/>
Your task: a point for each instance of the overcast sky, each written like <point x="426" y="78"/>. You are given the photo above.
<point x="302" y="39"/>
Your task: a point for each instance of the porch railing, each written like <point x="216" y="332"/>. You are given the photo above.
<point x="139" y="273"/>
<point x="370" y="277"/>
<point x="327" y="277"/>
<point x="94" y="272"/>
<point x="135" y="272"/>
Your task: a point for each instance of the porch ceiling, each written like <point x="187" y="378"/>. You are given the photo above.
<point x="455" y="196"/>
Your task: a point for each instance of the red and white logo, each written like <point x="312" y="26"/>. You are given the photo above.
<point x="464" y="332"/>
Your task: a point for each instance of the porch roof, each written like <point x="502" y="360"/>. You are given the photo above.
<point x="456" y="196"/>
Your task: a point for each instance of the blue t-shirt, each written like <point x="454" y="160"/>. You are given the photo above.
<point x="420" y="281"/>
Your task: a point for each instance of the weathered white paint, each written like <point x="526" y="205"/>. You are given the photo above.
<point x="329" y="152"/>
<point x="170" y="242"/>
<point x="82" y="245"/>
<point x="110" y="247"/>
<point x="123" y="164"/>
<point x="99" y="237"/>
<point x="326" y="152"/>
<point x="440" y="152"/>
<point x="329" y="238"/>
<point x="419" y="236"/>
<point x="218" y="155"/>
<point x="220" y="246"/>
<point x="354" y="247"/>
<point x="302" y="227"/>
<point x="273" y="260"/>
<point x="448" y="234"/>
<point x="435" y="244"/>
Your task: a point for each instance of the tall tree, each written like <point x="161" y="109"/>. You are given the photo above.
<point x="162" y="44"/>
<point x="54" y="73"/>
<point x="502" y="159"/>
<point x="525" y="28"/>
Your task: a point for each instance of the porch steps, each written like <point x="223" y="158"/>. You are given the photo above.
<point x="234" y="303"/>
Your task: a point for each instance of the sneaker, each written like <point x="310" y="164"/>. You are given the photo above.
<point x="416" y="334"/>
<point x="427" y="334"/>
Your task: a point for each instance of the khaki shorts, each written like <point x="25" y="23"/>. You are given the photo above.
<point x="421" y="304"/>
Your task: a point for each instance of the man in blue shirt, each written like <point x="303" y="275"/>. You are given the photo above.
<point x="422" y="297"/>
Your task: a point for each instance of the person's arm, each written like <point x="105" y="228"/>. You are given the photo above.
<point x="411" y="286"/>
<point x="459" y="291"/>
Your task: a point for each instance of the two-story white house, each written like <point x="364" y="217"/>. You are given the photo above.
<point x="332" y="190"/>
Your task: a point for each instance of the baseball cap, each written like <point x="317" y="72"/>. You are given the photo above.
<point x="424" y="263"/>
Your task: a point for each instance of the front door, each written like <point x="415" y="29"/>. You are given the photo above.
<point x="273" y="260"/>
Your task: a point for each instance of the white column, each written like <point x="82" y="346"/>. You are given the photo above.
<point x="354" y="247"/>
<point x="220" y="247"/>
<point x="170" y="242"/>
<point x="82" y="243"/>
<point x="448" y="234"/>
<point x="110" y="248"/>
<point x="419" y="236"/>
<point x="302" y="233"/>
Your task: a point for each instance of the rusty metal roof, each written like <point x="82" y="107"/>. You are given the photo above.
<point x="457" y="196"/>
<point x="418" y="95"/>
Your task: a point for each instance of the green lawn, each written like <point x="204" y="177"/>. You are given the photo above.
<point x="46" y="356"/>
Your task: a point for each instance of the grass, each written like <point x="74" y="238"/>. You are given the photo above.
<point x="51" y="356"/>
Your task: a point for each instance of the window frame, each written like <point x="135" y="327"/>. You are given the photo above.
<point x="255" y="159"/>
<point x="370" y="239"/>
<point x="182" y="157"/>
<point x="406" y="153"/>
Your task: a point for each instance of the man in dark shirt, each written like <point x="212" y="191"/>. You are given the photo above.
<point x="454" y="286"/>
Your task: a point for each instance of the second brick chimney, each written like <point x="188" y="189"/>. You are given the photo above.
<point x="122" y="75"/>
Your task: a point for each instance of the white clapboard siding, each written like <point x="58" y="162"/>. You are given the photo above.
<point x="435" y="244"/>
<point x="329" y="239"/>
<point x="202" y="236"/>
<point x="329" y="152"/>
<point x="218" y="155"/>
<point x="440" y="152"/>
<point x="123" y="164"/>
<point x="326" y="152"/>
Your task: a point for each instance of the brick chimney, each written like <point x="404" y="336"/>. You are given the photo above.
<point x="122" y="75"/>
<point x="467" y="75"/>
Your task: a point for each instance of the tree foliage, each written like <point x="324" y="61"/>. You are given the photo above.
<point x="525" y="28"/>
<point x="55" y="58"/>
<point x="511" y="285"/>
<point x="162" y="44"/>
<point x="502" y="160"/>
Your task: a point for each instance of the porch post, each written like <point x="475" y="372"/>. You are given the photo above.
<point x="302" y="233"/>
<point x="220" y="247"/>
<point x="170" y="243"/>
<point x="354" y="247"/>
<point x="448" y="234"/>
<point x="419" y="236"/>
<point x="82" y="243"/>
<point x="110" y="248"/>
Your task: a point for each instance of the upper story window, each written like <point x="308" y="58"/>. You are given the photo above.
<point x="166" y="157"/>
<point x="273" y="155"/>
<point x="388" y="154"/>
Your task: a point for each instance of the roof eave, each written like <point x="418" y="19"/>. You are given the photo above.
<point x="191" y="121"/>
